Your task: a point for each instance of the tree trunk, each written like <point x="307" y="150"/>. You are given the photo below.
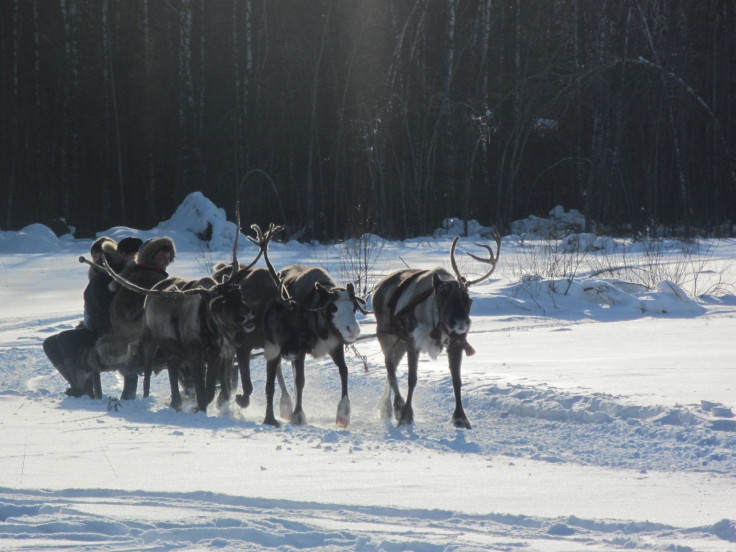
<point x="69" y="126"/>
<point x="186" y="94"/>
<point x="150" y="187"/>
<point x="109" y="71"/>
<point x="14" y="106"/>
<point x="314" y="147"/>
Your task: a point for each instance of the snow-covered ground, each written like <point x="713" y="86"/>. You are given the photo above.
<point x="600" y="412"/>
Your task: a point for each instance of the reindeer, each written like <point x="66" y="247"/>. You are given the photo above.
<point x="330" y="317"/>
<point x="425" y="311"/>
<point x="198" y="322"/>
<point x="280" y="323"/>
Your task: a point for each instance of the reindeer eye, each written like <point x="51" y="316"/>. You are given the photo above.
<point x="333" y="308"/>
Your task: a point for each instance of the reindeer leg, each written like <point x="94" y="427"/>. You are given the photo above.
<point x="392" y="360"/>
<point x="244" y="367"/>
<point x="286" y="408"/>
<point x="225" y="369"/>
<point x="186" y="380"/>
<point x="212" y="371"/>
<point x="130" y="386"/>
<point x="200" y="391"/>
<point x="148" y="354"/>
<point x="343" y="408"/>
<point x="146" y="382"/>
<point x="298" y="417"/>
<point x="406" y="415"/>
<point x="173" y="370"/>
<point x="385" y="410"/>
<point x="130" y="374"/>
<point x="233" y="372"/>
<point x="455" y="357"/>
<point x="96" y="386"/>
<point x="271" y="367"/>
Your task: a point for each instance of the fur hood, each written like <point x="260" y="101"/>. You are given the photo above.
<point x="149" y="249"/>
<point x="99" y="244"/>
<point x="114" y="258"/>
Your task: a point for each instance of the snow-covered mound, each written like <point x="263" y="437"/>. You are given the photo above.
<point x="196" y="225"/>
<point x="598" y="298"/>
<point x="560" y="223"/>
<point x="34" y="238"/>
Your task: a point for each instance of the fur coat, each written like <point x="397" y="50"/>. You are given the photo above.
<point x="126" y="310"/>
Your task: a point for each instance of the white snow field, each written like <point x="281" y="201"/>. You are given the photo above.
<point x="601" y="413"/>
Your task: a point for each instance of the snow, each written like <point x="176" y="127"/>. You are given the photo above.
<point x="602" y="415"/>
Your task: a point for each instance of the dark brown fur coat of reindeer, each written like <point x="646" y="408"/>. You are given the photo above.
<point x="280" y="325"/>
<point x="330" y="314"/>
<point x="200" y="329"/>
<point x="425" y="311"/>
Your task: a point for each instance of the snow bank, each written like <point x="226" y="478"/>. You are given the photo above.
<point x="34" y="238"/>
<point x="559" y="223"/>
<point x="609" y="299"/>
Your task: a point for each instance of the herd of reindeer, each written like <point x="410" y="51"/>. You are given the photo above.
<point x="199" y="327"/>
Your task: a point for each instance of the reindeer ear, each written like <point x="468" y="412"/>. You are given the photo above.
<point x="440" y="285"/>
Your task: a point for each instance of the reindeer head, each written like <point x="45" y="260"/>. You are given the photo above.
<point x="452" y="298"/>
<point x="228" y="309"/>
<point x="453" y="303"/>
<point x="339" y="306"/>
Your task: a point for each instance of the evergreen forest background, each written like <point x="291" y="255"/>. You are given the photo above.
<point x="339" y="117"/>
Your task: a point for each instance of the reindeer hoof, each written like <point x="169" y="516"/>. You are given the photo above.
<point x="384" y="408"/>
<point x="243" y="401"/>
<point x="222" y="400"/>
<point x="285" y="406"/>
<point x="270" y="420"/>
<point x="299" y="418"/>
<point x="459" y="420"/>
<point x="175" y="405"/>
<point x="398" y="408"/>
<point x="343" y="413"/>
<point x="406" y="418"/>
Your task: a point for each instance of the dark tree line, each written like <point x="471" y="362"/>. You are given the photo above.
<point x="338" y="117"/>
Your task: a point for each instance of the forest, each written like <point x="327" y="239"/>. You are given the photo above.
<point x="340" y="117"/>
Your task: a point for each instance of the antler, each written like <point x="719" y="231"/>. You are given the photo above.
<point x="359" y="302"/>
<point x="236" y="265"/>
<point x="491" y="260"/>
<point x="262" y="240"/>
<point x="143" y="291"/>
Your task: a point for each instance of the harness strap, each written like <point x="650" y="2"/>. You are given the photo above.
<point x="315" y="326"/>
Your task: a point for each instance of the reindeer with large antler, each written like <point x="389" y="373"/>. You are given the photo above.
<point x="281" y="326"/>
<point x="425" y="311"/>
<point x="329" y="311"/>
